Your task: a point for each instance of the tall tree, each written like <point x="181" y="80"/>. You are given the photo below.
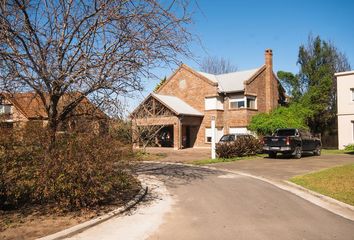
<point x="215" y="65"/>
<point x="318" y="61"/>
<point x="291" y="84"/>
<point x="98" y="48"/>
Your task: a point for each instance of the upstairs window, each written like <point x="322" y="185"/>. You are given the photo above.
<point x="251" y="102"/>
<point x="352" y="94"/>
<point x="213" y="103"/>
<point x="240" y="101"/>
<point x="237" y="101"/>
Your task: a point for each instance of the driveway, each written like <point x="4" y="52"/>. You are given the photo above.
<point x="280" y="168"/>
<point x="213" y="204"/>
<point x="284" y="168"/>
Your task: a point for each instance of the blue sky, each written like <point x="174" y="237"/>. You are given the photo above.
<point x="242" y="30"/>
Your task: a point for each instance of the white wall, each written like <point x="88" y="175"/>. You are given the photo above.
<point x="345" y="103"/>
<point x="345" y="130"/>
<point x="219" y="134"/>
<point x="213" y="103"/>
<point x="238" y="130"/>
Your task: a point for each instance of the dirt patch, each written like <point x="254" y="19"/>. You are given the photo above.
<point x="187" y="155"/>
<point x="19" y="225"/>
<point x="33" y="222"/>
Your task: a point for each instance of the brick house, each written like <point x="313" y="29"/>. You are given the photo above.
<point x="189" y="99"/>
<point x="19" y="109"/>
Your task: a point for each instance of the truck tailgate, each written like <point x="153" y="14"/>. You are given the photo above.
<point x="275" y="142"/>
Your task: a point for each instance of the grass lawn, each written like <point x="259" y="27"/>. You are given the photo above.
<point x="336" y="151"/>
<point x="219" y="160"/>
<point x="337" y="182"/>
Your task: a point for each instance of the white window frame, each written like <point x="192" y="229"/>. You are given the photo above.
<point x="352" y="94"/>
<point x="233" y="100"/>
<point x="255" y="101"/>
<point x="244" y="100"/>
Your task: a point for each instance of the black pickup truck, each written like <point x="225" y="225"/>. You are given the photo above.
<point x="292" y="142"/>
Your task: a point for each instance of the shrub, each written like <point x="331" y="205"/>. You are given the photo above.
<point x="80" y="171"/>
<point x="294" y="116"/>
<point x="242" y="146"/>
<point x="349" y="147"/>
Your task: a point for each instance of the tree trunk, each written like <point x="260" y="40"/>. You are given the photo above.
<point x="53" y="119"/>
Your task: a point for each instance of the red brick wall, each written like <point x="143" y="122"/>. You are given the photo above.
<point x="193" y="92"/>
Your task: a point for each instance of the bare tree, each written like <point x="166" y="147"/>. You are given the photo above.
<point x="99" y="49"/>
<point x="215" y="65"/>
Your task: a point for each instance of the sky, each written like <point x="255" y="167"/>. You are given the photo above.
<point x="242" y="30"/>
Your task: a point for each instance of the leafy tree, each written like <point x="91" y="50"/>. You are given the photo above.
<point x="315" y="85"/>
<point x="215" y="65"/>
<point x="160" y="84"/>
<point x="294" y="116"/>
<point x="291" y="84"/>
<point x="319" y="60"/>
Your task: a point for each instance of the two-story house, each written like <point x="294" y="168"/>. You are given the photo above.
<point x="345" y="108"/>
<point x="188" y="100"/>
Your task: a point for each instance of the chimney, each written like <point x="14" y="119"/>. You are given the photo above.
<point x="269" y="58"/>
<point x="271" y="96"/>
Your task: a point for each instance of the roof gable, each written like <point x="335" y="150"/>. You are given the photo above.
<point x="187" y="68"/>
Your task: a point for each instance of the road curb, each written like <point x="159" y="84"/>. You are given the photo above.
<point x="339" y="208"/>
<point x="88" y="224"/>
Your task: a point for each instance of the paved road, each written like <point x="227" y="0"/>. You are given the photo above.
<point x="217" y="205"/>
<point x="198" y="203"/>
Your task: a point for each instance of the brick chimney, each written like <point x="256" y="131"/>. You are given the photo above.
<point x="271" y="93"/>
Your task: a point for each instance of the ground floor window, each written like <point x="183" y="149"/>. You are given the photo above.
<point x="208" y="134"/>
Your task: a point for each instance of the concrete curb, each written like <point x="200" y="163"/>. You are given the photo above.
<point x="339" y="208"/>
<point x="88" y="224"/>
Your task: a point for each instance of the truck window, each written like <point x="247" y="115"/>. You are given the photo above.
<point x="285" y="132"/>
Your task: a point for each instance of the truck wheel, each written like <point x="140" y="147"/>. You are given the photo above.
<point x="272" y="155"/>
<point x="297" y="152"/>
<point x="317" y="151"/>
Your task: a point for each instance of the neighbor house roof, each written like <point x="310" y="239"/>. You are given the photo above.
<point x="177" y="105"/>
<point x="231" y="82"/>
<point x="32" y="107"/>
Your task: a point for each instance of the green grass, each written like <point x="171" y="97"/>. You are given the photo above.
<point x="337" y="182"/>
<point x="335" y="151"/>
<point x="220" y="160"/>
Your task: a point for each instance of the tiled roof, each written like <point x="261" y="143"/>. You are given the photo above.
<point x="177" y="105"/>
<point x="231" y="82"/>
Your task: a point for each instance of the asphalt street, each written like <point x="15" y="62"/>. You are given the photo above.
<point x="197" y="203"/>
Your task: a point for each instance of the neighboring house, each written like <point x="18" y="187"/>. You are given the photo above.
<point x="188" y="100"/>
<point x="18" y="109"/>
<point x="345" y="108"/>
